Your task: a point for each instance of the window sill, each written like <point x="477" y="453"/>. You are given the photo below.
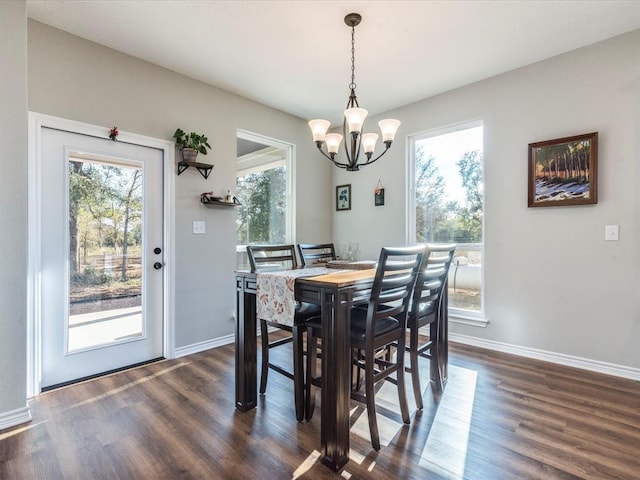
<point x="468" y="318"/>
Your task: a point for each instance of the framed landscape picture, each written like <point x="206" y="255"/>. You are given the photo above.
<point x="564" y="171"/>
<point x="343" y="197"/>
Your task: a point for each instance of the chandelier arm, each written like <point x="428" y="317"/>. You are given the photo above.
<point x="387" y="146"/>
<point x="337" y="164"/>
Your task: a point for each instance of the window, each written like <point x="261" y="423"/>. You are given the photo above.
<point x="263" y="184"/>
<point x="446" y="202"/>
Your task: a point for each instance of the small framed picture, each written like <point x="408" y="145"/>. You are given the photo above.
<point x="564" y="171"/>
<point x="343" y="197"/>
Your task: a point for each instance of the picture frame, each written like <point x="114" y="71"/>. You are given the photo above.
<point x="343" y="197"/>
<point x="378" y="197"/>
<point x="564" y="171"/>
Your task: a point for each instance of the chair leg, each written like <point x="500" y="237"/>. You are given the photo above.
<point x="358" y="354"/>
<point x="371" y="400"/>
<point x="415" y="369"/>
<point x="402" y="390"/>
<point x="298" y="371"/>
<point x="436" y="351"/>
<point x="310" y="394"/>
<point x="264" y="335"/>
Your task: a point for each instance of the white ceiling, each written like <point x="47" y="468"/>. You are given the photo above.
<point x="295" y="55"/>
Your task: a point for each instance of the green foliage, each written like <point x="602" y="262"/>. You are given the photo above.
<point x="438" y="220"/>
<point x="90" y="276"/>
<point x="262" y="216"/>
<point x="105" y="208"/>
<point x="193" y="140"/>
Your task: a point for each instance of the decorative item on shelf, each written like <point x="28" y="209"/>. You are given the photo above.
<point x="191" y="145"/>
<point x="208" y="198"/>
<point x="354" y="117"/>
<point x="113" y="133"/>
<point x="378" y="195"/>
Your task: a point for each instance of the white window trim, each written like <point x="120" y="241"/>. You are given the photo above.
<point x="456" y="315"/>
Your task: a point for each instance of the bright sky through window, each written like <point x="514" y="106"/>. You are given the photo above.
<point x="447" y="149"/>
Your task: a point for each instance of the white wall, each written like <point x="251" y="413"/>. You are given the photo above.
<point x="13" y="208"/>
<point x="551" y="281"/>
<point x="72" y="78"/>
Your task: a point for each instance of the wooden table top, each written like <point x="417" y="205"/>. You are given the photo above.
<point x="340" y="278"/>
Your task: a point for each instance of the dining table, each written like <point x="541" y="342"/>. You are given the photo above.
<point x="336" y="291"/>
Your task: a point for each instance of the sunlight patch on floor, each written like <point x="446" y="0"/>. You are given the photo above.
<point x="446" y="449"/>
<point x="122" y="388"/>
<point x="306" y="465"/>
<point x="20" y="430"/>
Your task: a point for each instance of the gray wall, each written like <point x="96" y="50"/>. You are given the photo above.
<point x="13" y="205"/>
<point x="72" y="78"/>
<point x="551" y="280"/>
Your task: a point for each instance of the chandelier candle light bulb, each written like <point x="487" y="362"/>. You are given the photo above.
<point x="333" y="143"/>
<point x="352" y="124"/>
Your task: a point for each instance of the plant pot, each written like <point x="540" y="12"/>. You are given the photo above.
<point x="189" y="155"/>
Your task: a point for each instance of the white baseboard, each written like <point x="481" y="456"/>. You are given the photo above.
<point x="553" y="357"/>
<point x="559" y="358"/>
<point x="206" y="345"/>
<point x="213" y="343"/>
<point x="15" y="417"/>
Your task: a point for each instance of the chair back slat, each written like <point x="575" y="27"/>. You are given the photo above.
<point x="316" y="253"/>
<point x="393" y="284"/>
<point x="432" y="279"/>
<point x="271" y="257"/>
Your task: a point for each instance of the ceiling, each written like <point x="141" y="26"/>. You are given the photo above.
<point x="295" y="55"/>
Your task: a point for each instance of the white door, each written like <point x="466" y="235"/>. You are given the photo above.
<point x="101" y="284"/>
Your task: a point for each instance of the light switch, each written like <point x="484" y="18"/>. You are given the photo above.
<point x="611" y="232"/>
<point x="199" y="227"/>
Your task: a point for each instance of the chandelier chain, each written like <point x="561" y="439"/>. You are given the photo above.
<point x="352" y="86"/>
<point x="355" y="141"/>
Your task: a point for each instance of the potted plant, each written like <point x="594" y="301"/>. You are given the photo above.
<point x="191" y="144"/>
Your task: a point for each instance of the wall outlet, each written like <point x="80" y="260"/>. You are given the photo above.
<point x="199" y="227"/>
<point x="611" y="232"/>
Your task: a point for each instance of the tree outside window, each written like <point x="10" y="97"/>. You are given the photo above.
<point x="263" y="214"/>
<point x="449" y="206"/>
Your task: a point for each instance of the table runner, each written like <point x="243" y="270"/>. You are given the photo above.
<point x="276" y="296"/>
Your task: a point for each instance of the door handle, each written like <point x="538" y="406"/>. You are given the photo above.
<point x="157" y="265"/>
<point x="157" y="250"/>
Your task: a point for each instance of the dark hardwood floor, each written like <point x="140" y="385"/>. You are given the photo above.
<point x="500" y="417"/>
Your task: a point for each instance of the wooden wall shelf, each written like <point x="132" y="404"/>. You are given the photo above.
<point x="211" y="202"/>
<point x="203" y="168"/>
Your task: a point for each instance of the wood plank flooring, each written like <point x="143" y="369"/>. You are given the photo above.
<point x="500" y="417"/>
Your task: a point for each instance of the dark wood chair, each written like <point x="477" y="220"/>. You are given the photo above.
<point x="426" y="309"/>
<point x="274" y="257"/>
<point x="373" y="329"/>
<point x="316" y="253"/>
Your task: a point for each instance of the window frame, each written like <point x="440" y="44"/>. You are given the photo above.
<point x="456" y="315"/>
<point x="251" y="163"/>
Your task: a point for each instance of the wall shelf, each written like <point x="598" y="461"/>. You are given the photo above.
<point x="213" y="202"/>
<point x="203" y="168"/>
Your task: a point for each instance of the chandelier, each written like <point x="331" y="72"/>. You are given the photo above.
<point x="352" y="123"/>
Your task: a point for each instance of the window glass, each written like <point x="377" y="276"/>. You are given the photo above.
<point x="262" y="218"/>
<point x="264" y="190"/>
<point x="448" y="185"/>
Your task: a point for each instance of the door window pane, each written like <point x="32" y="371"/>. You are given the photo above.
<point x="105" y="254"/>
